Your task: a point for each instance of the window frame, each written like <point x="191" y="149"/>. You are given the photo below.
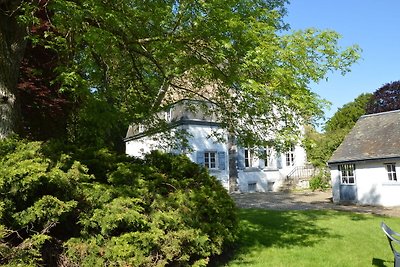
<point x="391" y="171"/>
<point x="290" y="156"/>
<point x="208" y="160"/>
<point x="347" y="173"/>
<point x="267" y="157"/>
<point x="252" y="186"/>
<point x="168" y="115"/>
<point x="248" y="158"/>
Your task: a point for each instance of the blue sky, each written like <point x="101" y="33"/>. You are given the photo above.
<point x="372" y="24"/>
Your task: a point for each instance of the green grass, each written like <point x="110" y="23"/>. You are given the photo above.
<point x="312" y="238"/>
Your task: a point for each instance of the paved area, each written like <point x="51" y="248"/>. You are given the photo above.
<point x="306" y="200"/>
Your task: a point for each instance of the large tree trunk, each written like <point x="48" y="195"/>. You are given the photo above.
<point x="12" y="46"/>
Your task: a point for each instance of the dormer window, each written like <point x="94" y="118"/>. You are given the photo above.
<point x="168" y="115"/>
<point x="141" y="128"/>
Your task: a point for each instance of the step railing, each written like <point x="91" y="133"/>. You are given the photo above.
<point x="301" y="172"/>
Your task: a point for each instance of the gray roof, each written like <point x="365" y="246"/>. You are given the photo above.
<point x="375" y="136"/>
<point x="185" y="111"/>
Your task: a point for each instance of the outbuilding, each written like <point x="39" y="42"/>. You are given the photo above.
<point x="364" y="167"/>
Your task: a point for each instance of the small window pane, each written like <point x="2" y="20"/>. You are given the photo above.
<point x="210" y="160"/>
<point x="391" y="171"/>
<point x="347" y="173"/>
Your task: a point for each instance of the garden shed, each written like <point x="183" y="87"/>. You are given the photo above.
<point x="364" y="167"/>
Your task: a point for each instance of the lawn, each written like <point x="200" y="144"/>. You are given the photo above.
<point x="312" y="238"/>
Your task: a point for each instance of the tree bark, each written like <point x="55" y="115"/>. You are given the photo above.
<point x="12" y="46"/>
<point x="233" y="172"/>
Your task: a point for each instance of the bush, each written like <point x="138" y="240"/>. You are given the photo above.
<point x="119" y="211"/>
<point x="39" y="201"/>
<point x="321" y="181"/>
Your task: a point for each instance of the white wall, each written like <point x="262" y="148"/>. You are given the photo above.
<point x="267" y="178"/>
<point x="202" y="140"/>
<point x="373" y="185"/>
<point x="140" y="147"/>
<point x="264" y="178"/>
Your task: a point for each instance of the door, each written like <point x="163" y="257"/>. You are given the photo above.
<point x="348" y="186"/>
<point x="348" y="193"/>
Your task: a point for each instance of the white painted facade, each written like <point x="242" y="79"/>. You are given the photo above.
<point x="254" y="174"/>
<point x="373" y="185"/>
<point x="364" y="167"/>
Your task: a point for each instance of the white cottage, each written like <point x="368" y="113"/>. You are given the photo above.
<point x="364" y="167"/>
<point x="258" y="170"/>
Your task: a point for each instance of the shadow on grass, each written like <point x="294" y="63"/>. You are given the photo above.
<point x="378" y="262"/>
<point x="279" y="229"/>
<point x="260" y="229"/>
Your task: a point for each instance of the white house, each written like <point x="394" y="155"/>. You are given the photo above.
<point x="364" y="167"/>
<point x="258" y="169"/>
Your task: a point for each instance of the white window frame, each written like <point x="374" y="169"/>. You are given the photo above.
<point x="211" y="160"/>
<point x="347" y="174"/>
<point x="266" y="157"/>
<point x="391" y="171"/>
<point x="248" y="157"/>
<point x="290" y="156"/>
<point x="168" y="115"/>
<point x="141" y="128"/>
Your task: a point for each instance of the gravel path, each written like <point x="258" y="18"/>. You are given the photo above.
<point x="306" y="200"/>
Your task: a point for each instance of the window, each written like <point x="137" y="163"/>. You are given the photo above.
<point x="391" y="171"/>
<point x="268" y="157"/>
<point x="290" y="156"/>
<point x="248" y="158"/>
<point x="347" y="173"/>
<point x="252" y="187"/>
<point x="210" y="160"/>
<point x="141" y="128"/>
<point x="168" y="115"/>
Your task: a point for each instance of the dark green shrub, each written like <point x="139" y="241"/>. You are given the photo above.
<point x="116" y="211"/>
<point x="39" y="199"/>
<point x="164" y="210"/>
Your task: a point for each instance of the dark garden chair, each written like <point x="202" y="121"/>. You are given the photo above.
<point x="394" y="239"/>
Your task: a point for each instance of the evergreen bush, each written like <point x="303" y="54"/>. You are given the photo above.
<point x="114" y="210"/>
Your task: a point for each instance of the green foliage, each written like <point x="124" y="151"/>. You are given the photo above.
<point x="320" y="146"/>
<point x="38" y="196"/>
<point x="385" y="98"/>
<point x="122" y="62"/>
<point x="164" y="210"/>
<point x="346" y="116"/>
<point x="118" y="211"/>
<point x="321" y="181"/>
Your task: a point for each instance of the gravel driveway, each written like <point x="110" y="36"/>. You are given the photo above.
<point x="306" y="200"/>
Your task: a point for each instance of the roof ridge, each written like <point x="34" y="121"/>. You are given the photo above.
<point x="380" y="113"/>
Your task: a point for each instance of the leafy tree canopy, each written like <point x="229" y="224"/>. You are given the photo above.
<point x="346" y="116"/>
<point x="386" y="98"/>
<point x="125" y="60"/>
<point x="320" y="146"/>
